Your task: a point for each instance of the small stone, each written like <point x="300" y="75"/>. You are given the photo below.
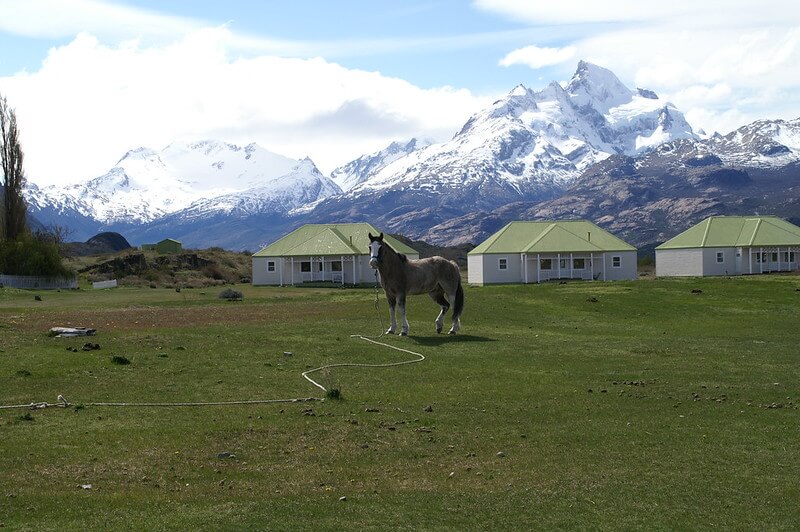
<point x="501" y="454"/>
<point x="226" y="454"/>
<point x="343" y="498"/>
<point x="85" y="486"/>
<point x="428" y="408"/>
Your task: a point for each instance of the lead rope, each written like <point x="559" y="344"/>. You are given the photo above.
<point x="373" y="340"/>
<point x="63" y="403"/>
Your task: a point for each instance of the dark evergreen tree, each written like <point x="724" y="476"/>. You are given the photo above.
<point x="12" y="216"/>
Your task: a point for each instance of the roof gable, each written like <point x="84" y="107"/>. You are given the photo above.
<point x="736" y="231"/>
<point x="565" y="236"/>
<point x="329" y="239"/>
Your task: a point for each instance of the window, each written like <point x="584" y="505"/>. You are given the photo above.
<point x="791" y="256"/>
<point x="336" y="266"/>
<point x="546" y="264"/>
<point x="774" y="256"/>
<point x="305" y="267"/>
<point x="578" y="264"/>
<point x="616" y="261"/>
<point x="271" y="266"/>
<point x="761" y="257"/>
<point x="502" y="264"/>
<point x="562" y="263"/>
<point x="320" y="265"/>
<point x="720" y="256"/>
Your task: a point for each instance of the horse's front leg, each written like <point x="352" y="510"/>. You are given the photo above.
<point x="401" y="303"/>
<point x="392" y="300"/>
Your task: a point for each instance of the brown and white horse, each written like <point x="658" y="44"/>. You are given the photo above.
<point x="400" y="276"/>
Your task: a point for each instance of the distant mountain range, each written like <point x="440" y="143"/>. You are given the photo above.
<point x="592" y="148"/>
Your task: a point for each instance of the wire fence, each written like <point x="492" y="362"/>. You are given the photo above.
<point x="28" y="282"/>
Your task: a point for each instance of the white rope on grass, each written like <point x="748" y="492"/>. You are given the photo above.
<point x="65" y="403"/>
<point x="419" y="358"/>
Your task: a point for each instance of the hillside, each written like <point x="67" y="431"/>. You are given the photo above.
<point x="191" y="269"/>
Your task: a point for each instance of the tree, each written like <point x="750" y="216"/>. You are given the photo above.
<point x="13" y="223"/>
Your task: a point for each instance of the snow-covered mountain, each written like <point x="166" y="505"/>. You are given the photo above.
<point x="146" y="185"/>
<point x="365" y="167"/>
<point x="533" y="143"/>
<point x="591" y="147"/>
<point x="651" y="197"/>
<point x="302" y="185"/>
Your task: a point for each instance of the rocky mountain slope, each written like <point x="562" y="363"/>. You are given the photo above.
<point x="650" y="198"/>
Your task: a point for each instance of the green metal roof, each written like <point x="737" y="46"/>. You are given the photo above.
<point x="566" y="236"/>
<point x="736" y="231"/>
<point x="329" y="239"/>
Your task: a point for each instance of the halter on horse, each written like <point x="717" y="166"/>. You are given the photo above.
<point x="400" y="276"/>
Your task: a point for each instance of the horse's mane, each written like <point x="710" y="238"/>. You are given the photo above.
<point x="400" y="256"/>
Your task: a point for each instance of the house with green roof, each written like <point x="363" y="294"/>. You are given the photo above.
<point x="534" y="252"/>
<point x="731" y="245"/>
<point x="168" y="245"/>
<point x="338" y="253"/>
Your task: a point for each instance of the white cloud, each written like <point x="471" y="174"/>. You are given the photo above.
<point x="536" y="57"/>
<point x="717" y="60"/>
<point x="690" y="13"/>
<point x="90" y="103"/>
<point x="66" y="18"/>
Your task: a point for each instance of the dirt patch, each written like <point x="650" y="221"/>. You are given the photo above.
<point x="138" y="318"/>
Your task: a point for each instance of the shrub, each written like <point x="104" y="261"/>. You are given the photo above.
<point x="32" y="255"/>
<point x="231" y="295"/>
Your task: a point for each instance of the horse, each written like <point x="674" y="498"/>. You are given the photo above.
<point x="400" y="276"/>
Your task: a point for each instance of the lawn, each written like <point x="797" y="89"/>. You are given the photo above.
<point x="657" y="404"/>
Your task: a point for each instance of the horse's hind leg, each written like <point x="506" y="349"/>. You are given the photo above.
<point x="438" y="296"/>
<point x="457" y="297"/>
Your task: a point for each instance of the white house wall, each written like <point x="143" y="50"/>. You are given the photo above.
<point x="475" y="269"/>
<point x="726" y="267"/>
<point x="283" y="273"/>
<point x="679" y="262"/>
<point x="487" y="271"/>
<point x="627" y="269"/>
<point x="484" y="268"/>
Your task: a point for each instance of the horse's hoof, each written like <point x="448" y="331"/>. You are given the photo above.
<point x="451" y="332"/>
<point x="404" y="333"/>
<point x="438" y="330"/>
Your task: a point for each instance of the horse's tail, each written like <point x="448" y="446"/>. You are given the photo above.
<point x="458" y="304"/>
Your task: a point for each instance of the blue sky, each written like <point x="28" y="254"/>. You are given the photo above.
<point x="335" y="80"/>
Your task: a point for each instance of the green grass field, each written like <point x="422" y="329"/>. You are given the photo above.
<point x="623" y="405"/>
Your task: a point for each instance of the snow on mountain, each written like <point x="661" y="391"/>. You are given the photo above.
<point x="534" y="142"/>
<point x="145" y="184"/>
<point x="762" y="144"/>
<point x="366" y="166"/>
<point x="302" y="185"/>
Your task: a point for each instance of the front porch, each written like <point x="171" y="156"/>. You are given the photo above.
<point x="551" y="266"/>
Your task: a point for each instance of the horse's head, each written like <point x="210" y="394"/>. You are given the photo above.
<point x="375" y="250"/>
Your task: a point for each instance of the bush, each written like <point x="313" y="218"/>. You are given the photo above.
<point x="231" y="295"/>
<point x="32" y="255"/>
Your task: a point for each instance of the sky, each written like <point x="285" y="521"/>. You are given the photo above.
<point x="91" y="79"/>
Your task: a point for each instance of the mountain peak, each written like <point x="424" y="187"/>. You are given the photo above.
<point x="137" y="153"/>
<point x="519" y="90"/>
<point x="597" y="87"/>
